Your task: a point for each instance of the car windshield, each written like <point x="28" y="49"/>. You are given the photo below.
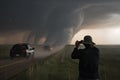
<point x="19" y="47"/>
<point x="29" y="47"/>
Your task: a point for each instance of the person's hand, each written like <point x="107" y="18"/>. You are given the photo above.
<point x="77" y="44"/>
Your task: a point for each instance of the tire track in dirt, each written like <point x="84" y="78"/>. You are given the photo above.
<point x="11" y="68"/>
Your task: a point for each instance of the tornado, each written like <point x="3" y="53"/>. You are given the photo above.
<point x="50" y="22"/>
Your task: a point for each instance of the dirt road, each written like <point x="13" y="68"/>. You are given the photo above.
<point x="9" y="68"/>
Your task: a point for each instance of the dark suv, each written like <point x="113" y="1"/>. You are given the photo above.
<point x="23" y="50"/>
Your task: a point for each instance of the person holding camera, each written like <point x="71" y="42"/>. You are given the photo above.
<point x="88" y="59"/>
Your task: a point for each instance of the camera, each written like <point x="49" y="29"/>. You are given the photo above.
<point x="77" y="43"/>
<point x="80" y="44"/>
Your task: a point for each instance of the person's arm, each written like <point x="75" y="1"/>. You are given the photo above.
<point x="76" y="52"/>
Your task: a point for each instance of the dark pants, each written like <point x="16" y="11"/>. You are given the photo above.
<point x="86" y="79"/>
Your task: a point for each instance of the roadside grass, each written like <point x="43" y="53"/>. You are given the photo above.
<point x="4" y="51"/>
<point x="60" y="66"/>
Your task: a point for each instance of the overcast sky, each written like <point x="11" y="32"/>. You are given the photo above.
<point x="54" y="22"/>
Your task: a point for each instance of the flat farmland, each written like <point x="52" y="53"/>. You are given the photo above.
<point x="60" y="66"/>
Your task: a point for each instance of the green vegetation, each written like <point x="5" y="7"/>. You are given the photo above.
<point x="110" y="63"/>
<point x="4" y="51"/>
<point x="60" y="66"/>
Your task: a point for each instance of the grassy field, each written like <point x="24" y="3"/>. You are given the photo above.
<point x="60" y="66"/>
<point x="110" y="63"/>
<point x="4" y="51"/>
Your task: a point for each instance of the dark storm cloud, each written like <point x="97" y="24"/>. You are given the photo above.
<point x="98" y="14"/>
<point x="56" y="20"/>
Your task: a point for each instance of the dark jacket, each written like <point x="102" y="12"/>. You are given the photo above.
<point x="88" y="62"/>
